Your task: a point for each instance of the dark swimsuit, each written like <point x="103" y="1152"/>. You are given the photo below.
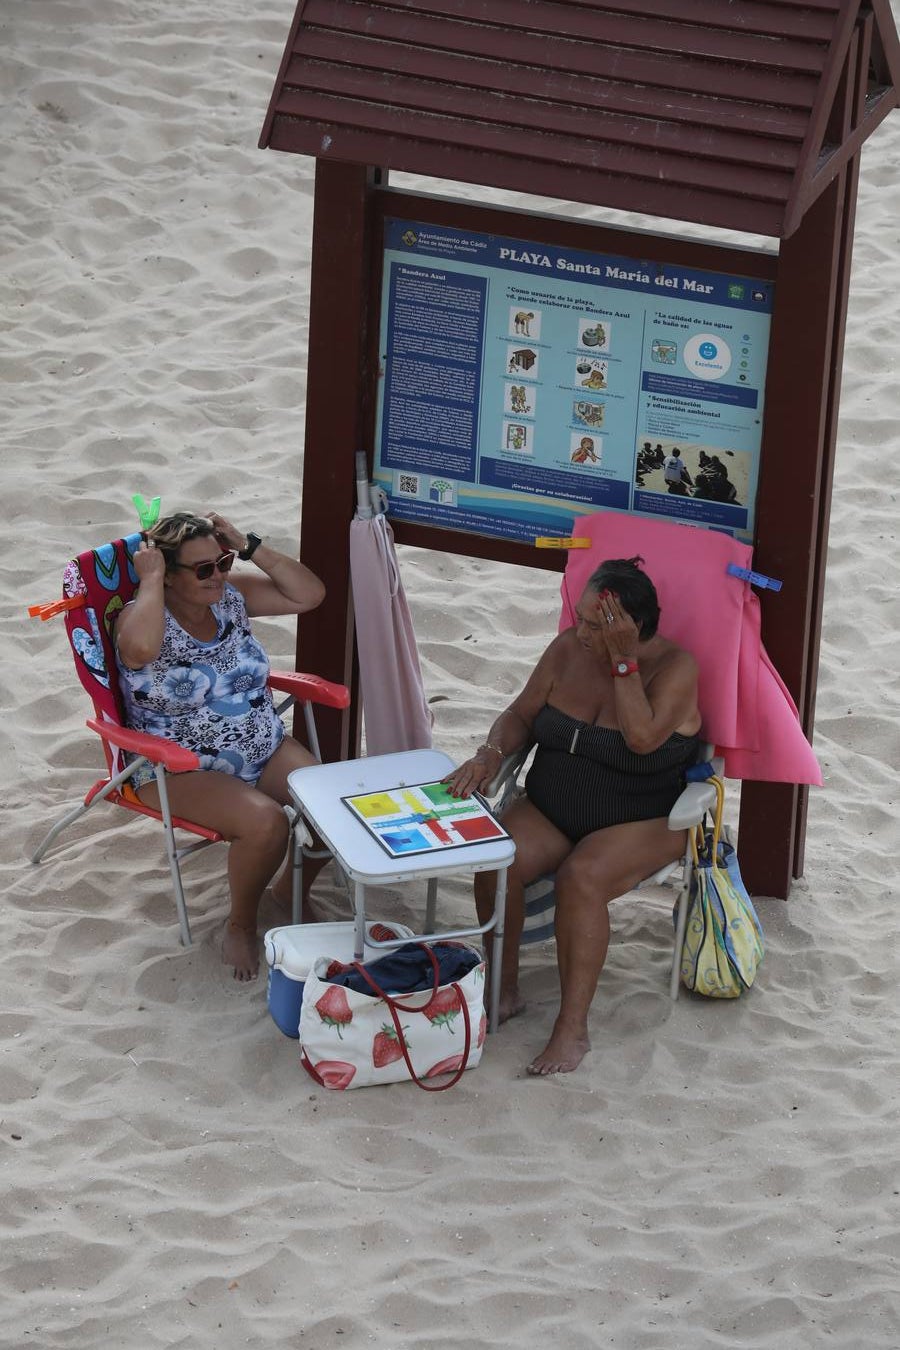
<point x="585" y="778"/>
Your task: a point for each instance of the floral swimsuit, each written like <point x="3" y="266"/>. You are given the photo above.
<point x="210" y="697"/>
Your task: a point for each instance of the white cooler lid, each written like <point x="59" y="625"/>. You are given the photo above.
<point x="293" y="948"/>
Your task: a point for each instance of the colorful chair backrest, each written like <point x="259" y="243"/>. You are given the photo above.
<point x="747" y="710"/>
<point x="106" y="580"/>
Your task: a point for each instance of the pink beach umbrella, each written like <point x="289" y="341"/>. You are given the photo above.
<point x="395" y="712"/>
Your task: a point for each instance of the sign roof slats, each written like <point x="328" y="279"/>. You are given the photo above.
<point x="634" y="161"/>
<point x="600" y="24"/>
<point x="562" y="24"/>
<point x="531" y="52"/>
<point x="557" y="180"/>
<point x="805" y="19"/>
<point x="670" y="107"/>
<point x="572" y="118"/>
<point x="587" y="91"/>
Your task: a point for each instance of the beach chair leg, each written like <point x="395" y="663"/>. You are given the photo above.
<point x="172" y="855"/>
<point x="82" y="808"/>
<point x="68" y="819"/>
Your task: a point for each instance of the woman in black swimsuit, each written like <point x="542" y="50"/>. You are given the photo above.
<point x="612" y="706"/>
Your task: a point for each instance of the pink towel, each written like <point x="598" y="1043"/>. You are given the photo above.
<point x="747" y="711"/>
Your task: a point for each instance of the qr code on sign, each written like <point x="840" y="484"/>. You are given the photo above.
<point x="408" y="485"/>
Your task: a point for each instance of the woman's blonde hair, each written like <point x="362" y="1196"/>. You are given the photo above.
<point x="169" y="533"/>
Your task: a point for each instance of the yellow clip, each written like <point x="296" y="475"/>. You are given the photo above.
<point x="550" y="541"/>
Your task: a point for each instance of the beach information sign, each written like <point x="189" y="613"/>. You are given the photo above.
<point x="523" y="385"/>
<point x="424" y="818"/>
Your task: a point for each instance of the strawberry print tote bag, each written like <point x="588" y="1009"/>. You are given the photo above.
<point x="415" y="1014"/>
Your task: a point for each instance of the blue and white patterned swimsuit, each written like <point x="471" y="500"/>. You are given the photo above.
<point x="211" y="697"/>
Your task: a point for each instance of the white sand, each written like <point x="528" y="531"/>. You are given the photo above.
<point x="713" y="1175"/>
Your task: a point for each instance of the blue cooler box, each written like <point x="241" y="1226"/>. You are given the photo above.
<point x="290" y="952"/>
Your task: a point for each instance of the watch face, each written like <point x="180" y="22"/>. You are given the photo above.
<point x="622" y="667"/>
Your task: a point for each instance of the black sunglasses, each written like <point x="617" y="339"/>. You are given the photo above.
<point x="204" y="570"/>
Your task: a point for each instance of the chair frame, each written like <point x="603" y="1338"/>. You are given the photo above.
<point x="165" y="756"/>
<point x="168" y="757"/>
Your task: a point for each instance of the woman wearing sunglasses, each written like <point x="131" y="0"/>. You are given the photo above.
<point x="192" y="671"/>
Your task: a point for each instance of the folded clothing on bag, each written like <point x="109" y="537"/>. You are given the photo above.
<point x="407" y="970"/>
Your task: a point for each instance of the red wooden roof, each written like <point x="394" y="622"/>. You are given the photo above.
<point x="733" y="113"/>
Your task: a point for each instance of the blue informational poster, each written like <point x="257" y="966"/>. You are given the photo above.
<point x="522" y="385"/>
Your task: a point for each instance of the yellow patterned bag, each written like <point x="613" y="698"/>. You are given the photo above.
<point x="723" y="941"/>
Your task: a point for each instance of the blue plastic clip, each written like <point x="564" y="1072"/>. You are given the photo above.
<point x="755" y="578"/>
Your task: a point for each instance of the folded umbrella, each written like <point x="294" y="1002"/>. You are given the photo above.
<point x="395" y="712"/>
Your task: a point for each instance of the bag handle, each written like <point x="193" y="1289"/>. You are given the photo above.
<point x="392" y="1004"/>
<point x="700" y="836"/>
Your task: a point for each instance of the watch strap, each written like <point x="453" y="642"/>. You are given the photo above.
<point x="253" y="543"/>
<point x="621" y="669"/>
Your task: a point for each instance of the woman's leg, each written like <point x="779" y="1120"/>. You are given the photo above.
<point x="257" y="832"/>
<point x="603" y="866"/>
<point x="540" y="848"/>
<point x="290" y="755"/>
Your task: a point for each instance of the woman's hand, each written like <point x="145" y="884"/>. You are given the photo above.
<point x="476" y="773"/>
<point x="226" y="534"/>
<point x="149" y="562"/>
<point x="620" y="632"/>
<point x="141" y="624"/>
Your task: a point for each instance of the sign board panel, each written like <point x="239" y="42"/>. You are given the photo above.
<point x="522" y="385"/>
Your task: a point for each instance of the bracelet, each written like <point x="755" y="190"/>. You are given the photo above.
<point x="488" y="745"/>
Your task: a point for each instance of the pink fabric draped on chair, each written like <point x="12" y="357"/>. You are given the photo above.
<point x="747" y="710"/>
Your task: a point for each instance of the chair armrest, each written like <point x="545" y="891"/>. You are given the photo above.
<point x="508" y="770"/>
<point x="311" y="689"/>
<point x="154" y="748"/>
<point x="695" y="800"/>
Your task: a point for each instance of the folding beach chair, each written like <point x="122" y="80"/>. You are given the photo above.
<point x="96" y="586"/>
<point x="702" y="578"/>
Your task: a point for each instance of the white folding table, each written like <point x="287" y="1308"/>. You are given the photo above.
<point x="318" y="791"/>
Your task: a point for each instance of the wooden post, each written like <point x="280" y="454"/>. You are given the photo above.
<point x="796" y="474"/>
<point x="338" y="383"/>
<point x="799" y="395"/>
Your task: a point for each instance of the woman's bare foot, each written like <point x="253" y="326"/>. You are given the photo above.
<point x="564" y="1052"/>
<point x="240" y="949"/>
<point x="511" y="1004"/>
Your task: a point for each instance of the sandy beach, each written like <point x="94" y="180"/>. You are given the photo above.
<point x="715" y="1175"/>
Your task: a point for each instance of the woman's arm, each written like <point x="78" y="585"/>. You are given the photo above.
<point x="511" y="731"/>
<point x="285" y="586"/>
<point x="648" y="714"/>
<point x="139" y="629"/>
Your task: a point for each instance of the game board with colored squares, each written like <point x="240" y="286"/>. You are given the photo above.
<point x="423" y="818"/>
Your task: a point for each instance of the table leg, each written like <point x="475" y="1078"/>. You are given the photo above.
<point x="431" y="905"/>
<point x="296" y="874"/>
<point x="359" y="910"/>
<point x="497" y="950"/>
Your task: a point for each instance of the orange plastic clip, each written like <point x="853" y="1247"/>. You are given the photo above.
<point x="551" y="541"/>
<point x="49" y="611"/>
